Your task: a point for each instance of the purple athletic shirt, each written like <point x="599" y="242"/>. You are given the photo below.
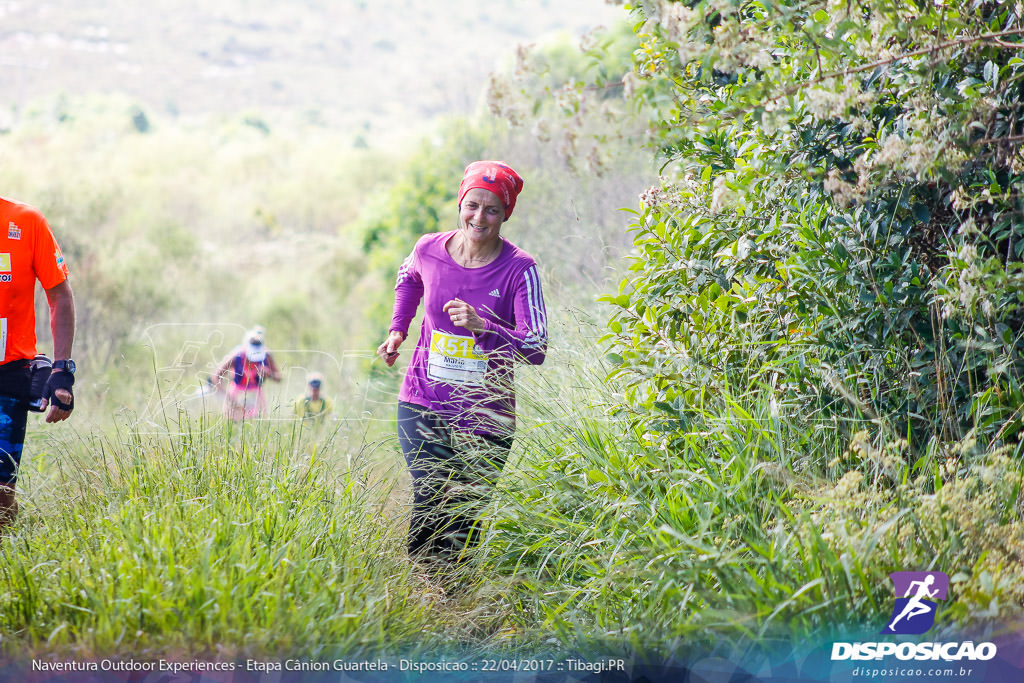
<point x="467" y="378"/>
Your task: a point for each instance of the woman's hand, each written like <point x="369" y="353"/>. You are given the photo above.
<point x="388" y="351"/>
<point x="464" y="315"/>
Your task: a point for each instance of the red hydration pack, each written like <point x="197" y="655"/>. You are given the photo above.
<point x="248" y="375"/>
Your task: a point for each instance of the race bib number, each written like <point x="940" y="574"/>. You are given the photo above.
<point x="453" y="359"/>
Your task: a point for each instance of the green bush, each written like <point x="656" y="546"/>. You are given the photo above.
<point x="748" y="532"/>
<point x="841" y="218"/>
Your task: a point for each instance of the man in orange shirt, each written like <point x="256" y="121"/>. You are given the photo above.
<point x="29" y="252"/>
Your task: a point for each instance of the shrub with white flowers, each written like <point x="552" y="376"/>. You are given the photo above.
<point x="840" y="220"/>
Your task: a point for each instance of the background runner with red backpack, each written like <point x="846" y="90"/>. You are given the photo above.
<point x="248" y="366"/>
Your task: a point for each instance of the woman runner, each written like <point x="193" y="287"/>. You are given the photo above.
<point x="483" y="311"/>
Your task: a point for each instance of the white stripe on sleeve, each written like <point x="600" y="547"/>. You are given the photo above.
<point x="538" y="315"/>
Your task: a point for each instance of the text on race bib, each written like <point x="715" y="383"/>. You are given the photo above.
<point x="453" y="359"/>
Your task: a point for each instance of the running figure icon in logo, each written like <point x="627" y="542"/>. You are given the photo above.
<point x="914" y="613"/>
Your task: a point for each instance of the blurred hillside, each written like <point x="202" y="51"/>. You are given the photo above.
<point x="377" y="66"/>
<point x="209" y="167"/>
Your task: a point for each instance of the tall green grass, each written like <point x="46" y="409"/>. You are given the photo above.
<point x="214" y="540"/>
<point x="755" y="528"/>
<point x="218" y="540"/>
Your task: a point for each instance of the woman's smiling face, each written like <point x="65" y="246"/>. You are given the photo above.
<point x="480" y="216"/>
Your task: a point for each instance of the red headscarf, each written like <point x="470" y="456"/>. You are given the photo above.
<point x="495" y="176"/>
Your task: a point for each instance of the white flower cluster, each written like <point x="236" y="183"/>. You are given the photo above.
<point x="677" y="20"/>
<point x="970" y="290"/>
<point x="629" y="83"/>
<point x="522" y="63"/>
<point x="738" y="45"/>
<point x="673" y="194"/>
<point x="567" y="148"/>
<point x="833" y="99"/>
<point x="1017" y="163"/>
<point x="844" y="193"/>
<point x="594" y="162"/>
<point x="588" y="41"/>
<point x="569" y="98"/>
<point x="541" y="129"/>
<point x="895" y="158"/>
<point x="961" y="201"/>
<point x="911" y="154"/>
<point x="892" y="152"/>
<point x="505" y="101"/>
<point x="721" y="194"/>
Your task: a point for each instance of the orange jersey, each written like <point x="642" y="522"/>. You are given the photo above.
<point x="28" y="252"/>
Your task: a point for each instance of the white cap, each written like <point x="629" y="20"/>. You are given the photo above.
<point x="252" y="343"/>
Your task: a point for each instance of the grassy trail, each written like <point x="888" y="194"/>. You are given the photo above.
<point x="218" y="541"/>
<point x="212" y="541"/>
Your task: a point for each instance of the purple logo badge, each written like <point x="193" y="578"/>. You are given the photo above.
<point x="914" y="612"/>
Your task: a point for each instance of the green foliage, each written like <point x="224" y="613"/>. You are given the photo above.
<point x="587" y="123"/>
<point x="742" y="534"/>
<point x="421" y="197"/>
<point x="192" y="538"/>
<point x="140" y="120"/>
<point x="841" y="219"/>
<point x="215" y="542"/>
<point x="206" y="221"/>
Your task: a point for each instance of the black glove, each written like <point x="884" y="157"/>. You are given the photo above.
<point x="60" y="380"/>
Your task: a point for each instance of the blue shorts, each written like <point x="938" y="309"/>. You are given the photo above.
<point x="13" y="416"/>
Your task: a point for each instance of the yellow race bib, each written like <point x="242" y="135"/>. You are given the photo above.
<point x="453" y="359"/>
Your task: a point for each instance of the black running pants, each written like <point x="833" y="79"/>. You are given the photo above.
<point x="453" y="475"/>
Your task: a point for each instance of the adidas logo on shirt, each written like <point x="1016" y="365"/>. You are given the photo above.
<point x="494" y="292"/>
